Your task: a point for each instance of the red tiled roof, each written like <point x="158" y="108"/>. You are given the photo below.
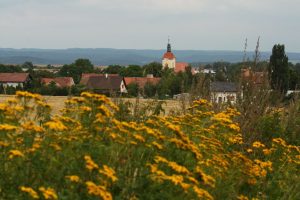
<point x="180" y="67"/>
<point x="105" y="83"/>
<point x="141" y="81"/>
<point x="13" y="77"/>
<point x="255" y="77"/>
<point x="169" y="55"/>
<point x="59" y="81"/>
<point x="85" y="77"/>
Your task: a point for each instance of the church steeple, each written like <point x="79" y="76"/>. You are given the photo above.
<point x="169" y="46"/>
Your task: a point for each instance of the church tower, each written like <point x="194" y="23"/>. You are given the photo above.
<point x="169" y="60"/>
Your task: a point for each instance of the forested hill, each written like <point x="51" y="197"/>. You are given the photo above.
<point x="104" y="56"/>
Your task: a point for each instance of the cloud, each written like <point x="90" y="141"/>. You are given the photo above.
<point x="193" y="24"/>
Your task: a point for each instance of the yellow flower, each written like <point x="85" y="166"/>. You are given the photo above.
<point x="56" y="125"/>
<point x="30" y="126"/>
<point x="15" y="153"/>
<point x="279" y="141"/>
<point x="90" y="164"/>
<point x="30" y="191"/>
<point x="105" y="111"/>
<point x="267" y="151"/>
<point x="157" y="145"/>
<point x="249" y="150"/>
<point x="73" y="178"/>
<point x="242" y="197"/>
<point x="7" y="127"/>
<point x="98" y="190"/>
<point x="48" y="193"/>
<point x="3" y="144"/>
<point x="109" y="172"/>
<point x="202" y="193"/>
<point x="85" y="108"/>
<point x="258" y="144"/>
<point x="139" y="137"/>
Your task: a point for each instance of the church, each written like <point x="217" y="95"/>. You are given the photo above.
<point x="169" y="60"/>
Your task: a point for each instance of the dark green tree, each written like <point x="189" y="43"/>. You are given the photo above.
<point x="133" y="89"/>
<point x="76" y="69"/>
<point x="132" y="71"/>
<point x="10" y="68"/>
<point x="279" y="69"/>
<point x="154" y="68"/>
<point x="113" y="69"/>
<point x="28" y="65"/>
<point x="149" y="90"/>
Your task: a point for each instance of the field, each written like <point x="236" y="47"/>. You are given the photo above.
<point x="93" y="149"/>
<point x="58" y="102"/>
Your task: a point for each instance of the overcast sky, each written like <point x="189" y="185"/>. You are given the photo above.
<point x="146" y="24"/>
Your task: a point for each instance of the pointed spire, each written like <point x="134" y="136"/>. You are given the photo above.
<point x="169" y="45"/>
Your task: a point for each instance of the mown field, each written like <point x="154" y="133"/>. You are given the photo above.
<point x="57" y="103"/>
<point x="91" y="150"/>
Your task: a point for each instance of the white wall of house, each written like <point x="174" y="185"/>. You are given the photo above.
<point x="171" y="63"/>
<point x="12" y="84"/>
<point x="123" y="88"/>
<point x="224" y="97"/>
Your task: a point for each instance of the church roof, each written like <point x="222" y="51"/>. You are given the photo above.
<point x="169" y="55"/>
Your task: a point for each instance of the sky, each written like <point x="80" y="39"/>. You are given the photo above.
<point x="146" y="24"/>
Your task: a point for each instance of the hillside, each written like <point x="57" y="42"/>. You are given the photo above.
<point x="105" y="56"/>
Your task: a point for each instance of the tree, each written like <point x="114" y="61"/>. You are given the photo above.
<point x="279" y="69"/>
<point x="113" y="69"/>
<point x="154" y="68"/>
<point x="149" y="90"/>
<point x="10" y="68"/>
<point x="133" y="89"/>
<point x="28" y="65"/>
<point x="75" y="69"/>
<point x="132" y="71"/>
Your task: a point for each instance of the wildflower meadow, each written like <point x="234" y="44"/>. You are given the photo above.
<point x="86" y="152"/>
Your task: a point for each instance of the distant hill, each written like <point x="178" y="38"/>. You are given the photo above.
<point x="105" y="56"/>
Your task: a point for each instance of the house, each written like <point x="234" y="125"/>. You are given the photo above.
<point x="104" y="83"/>
<point x="142" y="81"/>
<point x="257" y="78"/>
<point x="223" y="92"/>
<point x="61" y="82"/>
<point x="180" y="67"/>
<point x="14" y="79"/>
<point x="208" y="71"/>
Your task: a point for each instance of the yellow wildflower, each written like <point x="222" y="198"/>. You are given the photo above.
<point x="48" y="193"/>
<point x="73" y="178"/>
<point x="158" y="146"/>
<point x="7" y="127"/>
<point x="258" y="144"/>
<point x="109" y="172"/>
<point x="202" y="193"/>
<point x="3" y="144"/>
<point x="249" y="150"/>
<point x="98" y="190"/>
<point x="267" y="151"/>
<point x="30" y="191"/>
<point x="56" y="125"/>
<point x="242" y="197"/>
<point x="90" y="164"/>
<point x="85" y="108"/>
<point x="15" y="153"/>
